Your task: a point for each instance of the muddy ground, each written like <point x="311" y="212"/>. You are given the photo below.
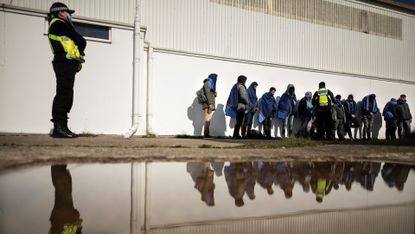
<point x="18" y="150"/>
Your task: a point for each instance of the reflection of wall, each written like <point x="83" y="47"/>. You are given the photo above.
<point x="392" y="219"/>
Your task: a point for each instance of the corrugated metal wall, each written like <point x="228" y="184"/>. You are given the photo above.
<point x="120" y="11"/>
<point x="331" y="35"/>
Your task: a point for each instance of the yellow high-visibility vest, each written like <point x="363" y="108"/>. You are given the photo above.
<point x="71" y="49"/>
<point x="324" y="98"/>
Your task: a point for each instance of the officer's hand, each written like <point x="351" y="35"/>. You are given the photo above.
<point x="79" y="67"/>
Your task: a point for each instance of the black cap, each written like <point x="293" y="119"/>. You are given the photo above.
<point x="58" y="6"/>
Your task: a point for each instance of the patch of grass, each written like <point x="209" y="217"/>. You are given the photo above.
<point x="87" y="134"/>
<point x="178" y="146"/>
<point x="205" y="146"/>
<point x="150" y="135"/>
<point x="283" y="143"/>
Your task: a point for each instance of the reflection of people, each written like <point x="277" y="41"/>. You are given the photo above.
<point x="64" y="217"/>
<point x="284" y="179"/>
<point x="322" y="177"/>
<point x="250" y="175"/>
<point x="68" y="48"/>
<point x="235" y="179"/>
<point x="202" y="175"/>
<point x="395" y="175"/>
<point x="265" y="176"/>
<point x="368" y="173"/>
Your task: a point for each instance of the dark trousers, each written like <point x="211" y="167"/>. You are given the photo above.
<point x="247" y="123"/>
<point x="351" y="122"/>
<point x="239" y="120"/>
<point x="267" y="127"/>
<point x="324" y="122"/>
<point x="65" y="78"/>
<point x="390" y="129"/>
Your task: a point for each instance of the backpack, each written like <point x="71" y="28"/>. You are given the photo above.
<point x="201" y="97"/>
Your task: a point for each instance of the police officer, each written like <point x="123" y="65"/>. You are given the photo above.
<point x="323" y="104"/>
<point x="68" y="48"/>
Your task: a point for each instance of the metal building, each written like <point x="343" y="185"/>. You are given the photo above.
<point x="354" y="46"/>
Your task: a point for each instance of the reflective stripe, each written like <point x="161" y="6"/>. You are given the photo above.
<point x="71" y="49"/>
<point x="323" y="99"/>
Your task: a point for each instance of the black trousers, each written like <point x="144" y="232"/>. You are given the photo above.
<point x="239" y="120"/>
<point x="324" y="123"/>
<point x="391" y="129"/>
<point x="65" y="78"/>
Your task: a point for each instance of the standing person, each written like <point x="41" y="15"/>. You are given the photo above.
<point x="286" y="109"/>
<point x="389" y="114"/>
<point x="369" y="109"/>
<point x="267" y="107"/>
<point x="252" y="108"/>
<point x="209" y="90"/>
<point x="305" y="111"/>
<point x="68" y="48"/>
<point x="340" y="117"/>
<point x="350" y="108"/>
<point x="404" y="117"/>
<point x="323" y="104"/>
<point x="237" y="104"/>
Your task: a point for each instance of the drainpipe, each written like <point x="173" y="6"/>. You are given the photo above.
<point x="149" y="120"/>
<point x="137" y="80"/>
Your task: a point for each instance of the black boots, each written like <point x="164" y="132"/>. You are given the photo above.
<point x="61" y="130"/>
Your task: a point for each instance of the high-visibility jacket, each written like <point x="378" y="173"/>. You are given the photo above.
<point x="324" y="98"/>
<point x="69" y="46"/>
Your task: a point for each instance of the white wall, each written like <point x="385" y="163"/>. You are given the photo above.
<point x="178" y="77"/>
<point x="102" y="92"/>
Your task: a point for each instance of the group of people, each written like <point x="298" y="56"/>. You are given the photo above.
<point x="318" y="177"/>
<point x="321" y="114"/>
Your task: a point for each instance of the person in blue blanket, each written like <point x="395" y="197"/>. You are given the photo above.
<point x="350" y="108"/>
<point x="237" y="104"/>
<point x="267" y="108"/>
<point x="252" y="108"/>
<point x="369" y="109"/>
<point x="285" y="111"/>
<point x="389" y="114"/>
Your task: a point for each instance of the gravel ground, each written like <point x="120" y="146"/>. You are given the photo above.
<point x="18" y="150"/>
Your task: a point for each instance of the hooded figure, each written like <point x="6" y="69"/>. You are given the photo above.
<point x="305" y="112"/>
<point x="369" y="109"/>
<point x="267" y="107"/>
<point x="252" y="108"/>
<point x="285" y="111"/>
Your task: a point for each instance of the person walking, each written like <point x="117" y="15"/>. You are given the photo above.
<point x="209" y="90"/>
<point x="323" y="104"/>
<point x="404" y="117"/>
<point x="389" y="114"/>
<point x="285" y="111"/>
<point x="350" y="109"/>
<point x="369" y="109"/>
<point x="252" y="108"/>
<point x="68" y="48"/>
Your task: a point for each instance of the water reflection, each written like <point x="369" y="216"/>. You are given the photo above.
<point x="64" y="217"/>
<point x="320" y="177"/>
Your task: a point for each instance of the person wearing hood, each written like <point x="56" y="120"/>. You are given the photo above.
<point x="252" y="108"/>
<point x="389" y="114"/>
<point x="209" y="90"/>
<point x="404" y="117"/>
<point x="68" y="49"/>
<point x="237" y="104"/>
<point x="305" y="111"/>
<point x="350" y="108"/>
<point x="369" y="109"/>
<point x="285" y="111"/>
<point x="267" y="107"/>
<point x="340" y="117"/>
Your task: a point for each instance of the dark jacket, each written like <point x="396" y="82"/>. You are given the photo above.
<point x="287" y="102"/>
<point x="402" y="111"/>
<point x="350" y="108"/>
<point x="303" y="110"/>
<point x="63" y="28"/>
<point x="339" y="108"/>
<point x="389" y="111"/>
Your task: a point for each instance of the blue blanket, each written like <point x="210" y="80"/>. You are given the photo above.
<point x="212" y="81"/>
<point x="252" y="96"/>
<point x="267" y="105"/>
<point x="232" y="103"/>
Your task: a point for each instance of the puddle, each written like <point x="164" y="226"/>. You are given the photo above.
<point x="209" y="197"/>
